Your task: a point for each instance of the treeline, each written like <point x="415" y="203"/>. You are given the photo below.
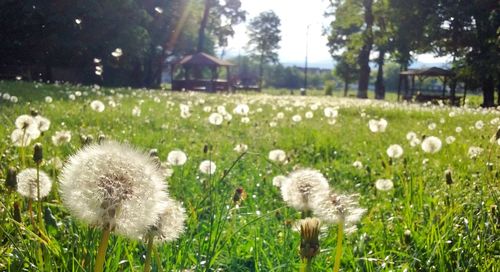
<point x="362" y="31"/>
<point x="112" y="42"/>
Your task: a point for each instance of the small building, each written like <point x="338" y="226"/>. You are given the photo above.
<point x="201" y="72"/>
<point x="417" y="92"/>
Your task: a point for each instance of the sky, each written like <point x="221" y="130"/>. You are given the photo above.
<point x="296" y="16"/>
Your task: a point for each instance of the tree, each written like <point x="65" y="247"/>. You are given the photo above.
<point x="364" y="54"/>
<point x="265" y="34"/>
<point x="346" y="69"/>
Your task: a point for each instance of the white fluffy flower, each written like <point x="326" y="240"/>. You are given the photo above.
<point x="27" y="183"/>
<point x="384" y="184"/>
<point x="215" y="119"/>
<point x="333" y="208"/>
<point x="114" y="186"/>
<point x="278" y="180"/>
<point x="97" y="105"/>
<point x="394" y="151"/>
<point x="431" y="144"/>
<point x="377" y="125"/>
<point x="357" y="164"/>
<point x="240" y="148"/>
<point x="61" y="137"/>
<point x="277" y="155"/>
<point x="136" y="111"/>
<point x="330" y="112"/>
<point x="21" y="137"/>
<point x="207" y="167"/>
<point x="450" y="139"/>
<point x="301" y="187"/>
<point x="309" y="115"/>
<point x="296" y="118"/>
<point x="241" y="109"/>
<point x="170" y="224"/>
<point x="48" y="99"/>
<point x="474" y="152"/>
<point x="176" y="157"/>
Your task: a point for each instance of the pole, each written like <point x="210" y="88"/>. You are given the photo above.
<point x="305" y="65"/>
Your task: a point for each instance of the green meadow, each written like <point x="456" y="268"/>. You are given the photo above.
<point x="429" y="221"/>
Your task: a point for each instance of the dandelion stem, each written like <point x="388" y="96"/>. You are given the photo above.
<point x="39" y="212"/>
<point x="306" y="265"/>
<point x="147" y="262"/>
<point x="101" y="253"/>
<point x="338" y="250"/>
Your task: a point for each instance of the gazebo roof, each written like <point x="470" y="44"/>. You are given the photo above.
<point x="433" y="71"/>
<point x="202" y="59"/>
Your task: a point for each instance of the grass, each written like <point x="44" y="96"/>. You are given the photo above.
<point x="423" y="224"/>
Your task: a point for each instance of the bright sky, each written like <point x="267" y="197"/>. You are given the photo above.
<point x="295" y="16"/>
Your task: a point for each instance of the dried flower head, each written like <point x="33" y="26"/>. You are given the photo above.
<point x="431" y="144"/>
<point x="241" y="148"/>
<point x="384" y="184"/>
<point x="215" y="119"/>
<point x="377" y="125"/>
<point x="277" y="155"/>
<point x="301" y="187"/>
<point x="207" y="167"/>
<point x="170" y="223"/>
<point x="61" y="137"/>
<point x="97" y="105"/>
<point x="114" y="186"/>
<point x="27" y="183"/>
<point x="335" y="208"/>
<point x="309" y="237"/>
<point x="176" y="157"/>
<point x="394" y="151"/>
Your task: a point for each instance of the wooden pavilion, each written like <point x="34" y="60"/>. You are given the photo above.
<point x="200" y="72"/>
<point x="447" y="77"/>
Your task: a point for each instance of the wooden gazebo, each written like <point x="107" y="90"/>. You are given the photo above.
<point x="447" y="77"/>
<point x="200" y="72"/>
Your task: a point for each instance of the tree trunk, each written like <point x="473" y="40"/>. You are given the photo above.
<point x="379" y="84"/>
<point x="498" y="91"/>
<point x="488" y="86"/>
<point x="364" y="54"/>
<point x="346" y="86"/>
<point x="203" y="25"/>
<point x="261" y="70"/>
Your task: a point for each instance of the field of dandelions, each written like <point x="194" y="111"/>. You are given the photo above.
<point x="101" y="179"/>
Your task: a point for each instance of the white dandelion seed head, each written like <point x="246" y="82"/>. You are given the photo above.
<point x="377" y="125"/>
<point x="241" y="109"/>
<point x="301" y="187"/>
<point x="207" y="167"/>
<point x="296" y="118"/>
<point x="432" y="126"/>
<point x="240" y="148"/>
<point x="27" y="183"/>
<point x="333" y="208"/>
<point x="479" y="124"/>
<point x="277" y="155"/>
<point x="431" y="144"/>
<point x="14" y="99"/>
<point x="176" y="157"/>
<point x="394" y="151"/>
<point x="357" y="164"/>
<point x="71" y="97"/>
<point x="42" y="123"/>
<point x="458" y="129"/>
<point x="278" y="180"/>
<point x="414" y="142"/>
<point x="170" y="224"/>
<point x="280" y="115"/>
<point x="450" y="139"/>
<point x="97" y="106"/>
<point x="111" y="185"/>
<point x="24" y="121"/>
<point x="411" y="135"/>
<point x="309" y="115"/>
<point x="384" y="184"/>
<point x="215" y="119"/>
<point x="330" y="112"/>
<point x="273" y="124"/>
<point x="21" y="137"/>
<point x="245" y="120"/>
<point x="136" y="111"/>
<point x="61" y="137"/>
<point x="474" y="152"/>
<point x="48" y="99"/>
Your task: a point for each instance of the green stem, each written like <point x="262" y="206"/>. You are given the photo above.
<point x="101" y="253"/>
<point x="338" y="250"/>
<point x="306" y="265"/>
<point x="158" y="260"/>
<point x="39" y="212"/>
<point x="147" y="262"/>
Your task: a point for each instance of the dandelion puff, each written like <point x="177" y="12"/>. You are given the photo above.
<point x="241" y="148"/>
<point x="384" y="184"/>
<point x="48" y="99"/>
<point x="479" y="125"/>
<point x="176" y="157"/>
<point x="24" y="121"/>
<point x="414" y="142"/>
<point x="215" y="119"/>
<point x="296" y="118"/>
<point x="61" y="137"/>
<point x="241" y="109"/>
<point x="207" y="167"/>
<point x="411" y="135"/>
<point x="395" y="151"/>
<point x="277" y="155"/>
<point x="278" y="180"/>
<point x="431" y="144"/>
<point x="309" y="115"/>
<point x="301" y="187"/>
<point x="450" y="139"/>
<point x="170" y="224"/>
<point x="136" y="111"/>
<point x="330" y="112"/>
<point x="97" y="105"/>
<point x="20" y="138"/>
<point x="43" y="124"/>
<point x="115" y="187"/>
<point x="333" y="208"/>
<point x="474" y="152"/>
<point x="357" y="164"/>
<point x="27" y="183"/>
<point x="377" y="125"/>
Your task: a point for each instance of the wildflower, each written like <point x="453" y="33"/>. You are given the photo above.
<point x="21" y="137"/>
<point x="136" y="111"/>
<point x="301" y="187"/>
<point x="309" y="238"/>
<point x="431" y="144"/>
<point x="176" y="157"/>
<point x="357" y="164"/>
<point x="241" y="109"/>
<point x="474" y="152"/>
<point x="115" y="187"/>
<point x="335" y="208"/>
<point x="394" y="151"/>
<point x="97" y="105"/>
<point x="384" y="184"/>
<point x="61" y="137"/>
<point x="215" y="119"/>
<point x="411" y="135"/>
<point x="207" y="167"/>
<point x="241" y="148"/>
<point x="27" y="183"/>
<point x="377" y="126"/>
<point x="330" y="112"/>
<point x="309" y="115"/>
<point x="48" y="99"/>
<point x="296" y="118"/>
<point x="277" y="155"/>
<point x="479" y="124"/>
<point x="170" y="223"/>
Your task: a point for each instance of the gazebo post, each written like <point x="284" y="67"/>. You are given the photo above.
<point x="412" y="85"/>
<point x="228" y="77"/>
<point x="444" y="85"/>
<point x="399" y="86"/>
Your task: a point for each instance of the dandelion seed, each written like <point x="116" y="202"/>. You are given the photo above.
<point x="357" y="164"/>
<point x="97" y="106"/>
<point x="159" y="10"/>
<point x="176" y="157"/>
<point x="61" y="137"/>
<point x="384" y="184"/>
<point x="431" y="144"/>
<point x="394" y="151"/>
<point x="27" y="183"/>
<point x="241" y="148"/>
<point x="117" y="53"/>
<point x="78" y="21"/>
<point x="215" y="119"/>
<point x="207" y="167"/>
<point x="114" y="187"/>
<point x="301" y="187"/>
<point x="278" y="180"/>
<point x="277" y="155"/>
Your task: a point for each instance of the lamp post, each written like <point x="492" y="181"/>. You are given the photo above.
<point x="303" y="91"/>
